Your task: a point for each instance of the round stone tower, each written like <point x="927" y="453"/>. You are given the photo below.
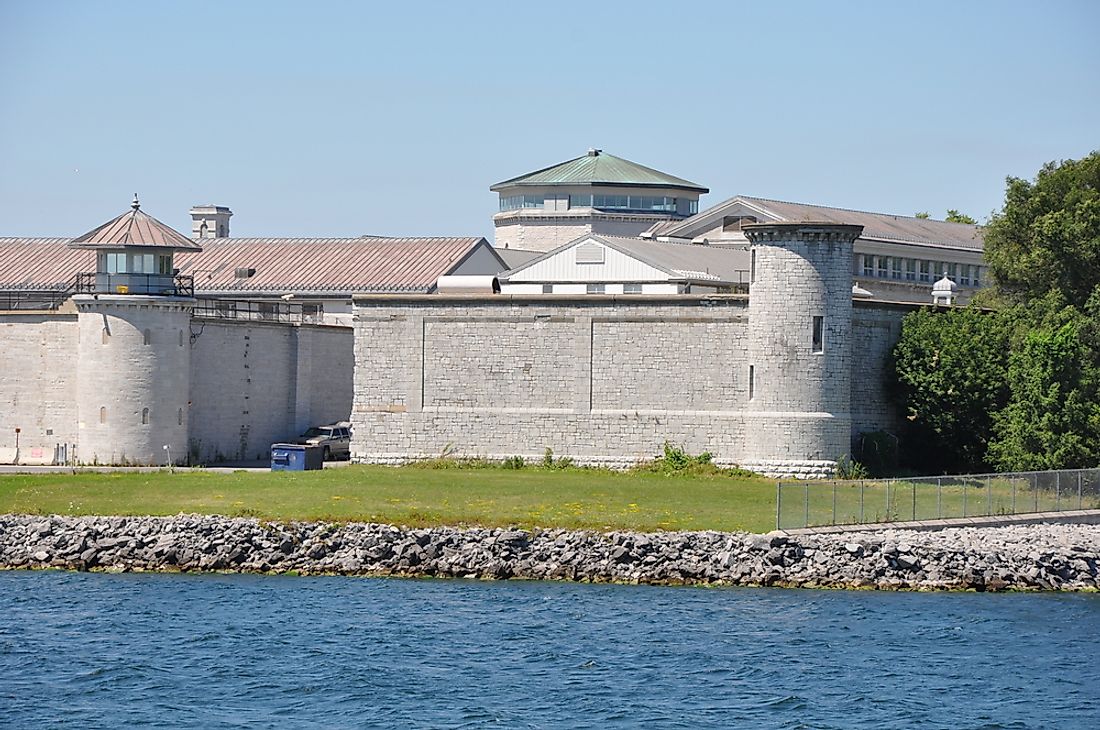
<point x="134" y="351"/>
<point x="798" y="417"/>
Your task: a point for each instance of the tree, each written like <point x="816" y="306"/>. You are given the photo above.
<point x="954" y="216"/>
<point x="923" y="215"/>
<point x="951" y="368"/>
<point x="1052" y="420"/>
<point x="1047" y="237"/>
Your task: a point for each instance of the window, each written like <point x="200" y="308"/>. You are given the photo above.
<point x="752" y="382"/>
<point x="910" y="269"/>
<point x="146" y="337"/>
<point x="752" y="267"/>
<point x="693" y="207"/>
<point x="116" y="263"/>
<point x="164" y="265"/>
<point x="547" y="288"/>
<point x="632" y="288"/>
<point x="952" y="271"/>
<point x="883" y="265"/>
<point x="595" y="289"/>
<point x="515" y="202"/>
<point x="895" y="267"/>
<point x="181" y="338"/>
<point x="103" y="414"/>
<point x="179" y="416"/>
<point x="925" y="270"/>
<point x="868" y="264"/>
<point x="145" y="416"/>
<point x="580" y="201"/>
<point x="977" y="276"/>
<point x="819" y="334"/>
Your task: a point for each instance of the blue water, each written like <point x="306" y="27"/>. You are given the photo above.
<point x="108" y="651"/>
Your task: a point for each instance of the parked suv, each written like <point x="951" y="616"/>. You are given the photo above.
<point x="335" y="438"/>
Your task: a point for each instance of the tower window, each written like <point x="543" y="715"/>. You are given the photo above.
<point x="179" y="416"/>
<point x="145" y="416"/>
<point x="752" y="382"/>
<point x="819" y="334"/>
<point x="103" y="414"/>
<point x="752" y="266"/>
<point x="146" y="337"/>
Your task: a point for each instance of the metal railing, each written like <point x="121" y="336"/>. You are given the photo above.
<point x="249" y="310"/>
<point x="41" y="299"/>
<point x="813" y="503"/>
<point x="97" y="282"/>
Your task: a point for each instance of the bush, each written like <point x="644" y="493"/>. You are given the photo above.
<point x="878" y="452"/>
<point x="848" y="469"/>
<point x="513" y="462"/>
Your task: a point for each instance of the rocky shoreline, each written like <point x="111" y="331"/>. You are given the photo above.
<point x="1032" y="557"/>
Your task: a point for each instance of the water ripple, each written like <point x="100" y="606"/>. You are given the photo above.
<point x="106" y="651"/>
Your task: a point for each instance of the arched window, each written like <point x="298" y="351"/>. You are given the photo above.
<point x="145" y="416"/>
<point x="147" y="337"/>
<point x="103" y="414"/>
<point x="181" y="338"/>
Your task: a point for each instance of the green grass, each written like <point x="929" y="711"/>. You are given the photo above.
<point x="478" y="495"/>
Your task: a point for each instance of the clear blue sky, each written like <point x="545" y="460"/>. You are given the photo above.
<point x="347" y="118"/>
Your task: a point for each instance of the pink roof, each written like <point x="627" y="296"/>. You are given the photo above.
<point x="283" y="265"/>
<point x="135" y="228"/>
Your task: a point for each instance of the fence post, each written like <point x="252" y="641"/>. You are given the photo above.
<point x="1079" y="490"/>
<point x="914" y="501"/>
<point x="1035" y="490"/>
<point x="861" y="501"/>
<point x="988" y="499"/>
<point x="964" y="498"/>
<point x="806" y="504"/>
<point x="834" y="503"/>
<point x="939" y="498"/>
<point x="1013" y="495"/>
<point x="1057" y="491"/>
<point x="778" y="504"/>
<point x="886" y="517"/>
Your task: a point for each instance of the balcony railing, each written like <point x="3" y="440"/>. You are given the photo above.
<point x="97" y="282"/>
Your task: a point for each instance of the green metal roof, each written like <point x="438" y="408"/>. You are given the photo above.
<point x="599" y="168"/>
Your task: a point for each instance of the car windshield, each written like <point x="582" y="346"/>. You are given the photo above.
<point x="311" y="433"/>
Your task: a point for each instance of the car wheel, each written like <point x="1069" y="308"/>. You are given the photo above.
<point x="328" y="454"/>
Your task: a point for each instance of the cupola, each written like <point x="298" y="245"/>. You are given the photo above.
<point x="134" y="255"/>
<point x="943" y="291"/>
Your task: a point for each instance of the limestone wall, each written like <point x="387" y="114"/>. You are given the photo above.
<point x="255" y="383"/>
<point x="875" y="330"/>
<point x="598" y="378"/>
<point x="37" y="384"/>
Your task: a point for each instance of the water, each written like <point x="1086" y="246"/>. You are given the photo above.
<point x="108" y="651"/>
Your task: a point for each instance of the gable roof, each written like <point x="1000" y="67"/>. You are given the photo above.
<point x="876" y="226"/>
<point x="135" y="228"/>
<point x="283" y="265"/>
<point x="599" y="168"/>
<point x="515" y="257"/>
<point x="681" y="261"/>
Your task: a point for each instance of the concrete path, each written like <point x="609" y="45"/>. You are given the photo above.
<point x="1069" y="516"/>
<point x="219" y="469"/>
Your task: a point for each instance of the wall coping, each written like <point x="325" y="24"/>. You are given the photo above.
<point x="579" y="298"/>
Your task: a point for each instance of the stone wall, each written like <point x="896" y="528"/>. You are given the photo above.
<point x="254" y="384"/>
<point x="602" y="379"/>
<point x="37" y="384"/>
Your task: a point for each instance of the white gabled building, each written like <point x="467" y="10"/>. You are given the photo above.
<point x="596" y="264"/>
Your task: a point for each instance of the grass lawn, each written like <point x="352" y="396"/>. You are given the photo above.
<point x="486" y="496"/>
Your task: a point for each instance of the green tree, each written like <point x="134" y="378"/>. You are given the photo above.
<point x="1053" y="419"/>
<point x="923" y="215"/>
<point x="954" y="216"/>
<point x="950" y="369"/>
<point x="1047" y="237"/>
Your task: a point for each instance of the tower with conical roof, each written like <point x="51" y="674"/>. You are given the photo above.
<point x="594" y="193"/>
<point x="133" y="319"/>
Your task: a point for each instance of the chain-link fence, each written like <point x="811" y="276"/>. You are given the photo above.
<point x="808" y="503"/>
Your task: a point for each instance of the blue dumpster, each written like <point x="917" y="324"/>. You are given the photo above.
<point x="296" y="457"/>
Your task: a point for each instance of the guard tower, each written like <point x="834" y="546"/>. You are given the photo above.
<point x="133" y="317"/>
<point x="798" y="415"/>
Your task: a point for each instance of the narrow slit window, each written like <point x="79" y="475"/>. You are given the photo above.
<point x="145" y="416"/>
<point x="752" y="381"/>
<point x="752" y="267"/>
<point x="147" y="337"/>
<point x="179" y="416"/>
<point x="103" y="414"/>
<point x="819" y="334"/>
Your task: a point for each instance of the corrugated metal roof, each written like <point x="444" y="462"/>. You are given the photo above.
<point x="135" y="228"/>
<point x="283" y="265"/>
<point x="876" y="226"/>
<point x="599" y="168"/>
<point x="687" y="261"/>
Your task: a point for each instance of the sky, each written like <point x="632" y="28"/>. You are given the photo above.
<point x="350" y="118"/>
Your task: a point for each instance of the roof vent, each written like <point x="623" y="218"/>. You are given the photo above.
<point x="593" y="152"/>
